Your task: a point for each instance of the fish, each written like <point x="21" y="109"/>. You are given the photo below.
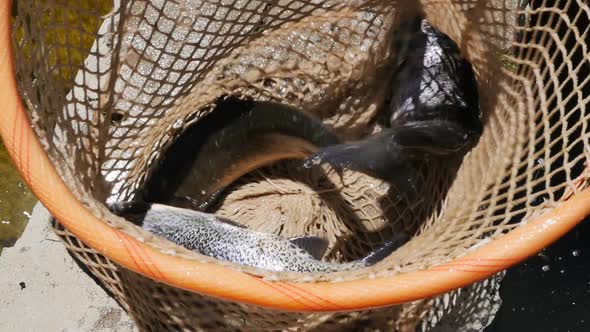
<point x="433" y="111"/>
<point x="224" y="239"/>
<point x="239" y="136"/>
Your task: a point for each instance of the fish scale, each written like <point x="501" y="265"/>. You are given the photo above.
<point x="222" y="239"/>
<point x="434" y="110"/>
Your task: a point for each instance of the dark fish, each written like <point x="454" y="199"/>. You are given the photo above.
<point x="225" y="240"/>
<point x="238" y="137"/>
<point x="434" y="110"/>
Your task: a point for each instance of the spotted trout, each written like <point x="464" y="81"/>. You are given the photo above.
<point x="224" y="239"/>
<point x="433" y="110"/>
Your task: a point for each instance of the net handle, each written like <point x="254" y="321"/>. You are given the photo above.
<point x="222" y="282"/>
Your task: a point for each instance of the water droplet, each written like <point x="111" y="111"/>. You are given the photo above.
<point x="576" y="253"/>
<point x="316" y="160"/>
<point x="545" y="268"/>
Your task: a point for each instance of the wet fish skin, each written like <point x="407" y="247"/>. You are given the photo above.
<point x="236" y="138"/>
<point x="434" y="110"/>
<point x="224" y="239"/>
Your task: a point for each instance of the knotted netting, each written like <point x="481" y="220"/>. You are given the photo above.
<point x="109" y="86"/>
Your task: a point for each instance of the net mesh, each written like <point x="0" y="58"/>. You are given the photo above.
<point x="109" y="86"/>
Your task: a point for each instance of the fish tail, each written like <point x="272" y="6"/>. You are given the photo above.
<point x="378" y="155"/>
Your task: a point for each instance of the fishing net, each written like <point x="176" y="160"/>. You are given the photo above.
<point x="109" y="86"/>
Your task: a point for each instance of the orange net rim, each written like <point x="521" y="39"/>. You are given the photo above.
<point x="222" y="282"/>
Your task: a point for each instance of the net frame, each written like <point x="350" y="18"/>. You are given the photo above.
<point x="40" y="175"/>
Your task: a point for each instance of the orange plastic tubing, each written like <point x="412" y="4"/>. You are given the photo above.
<point x="221" y="282"/>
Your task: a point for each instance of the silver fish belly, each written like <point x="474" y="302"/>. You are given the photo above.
<point x="225" y="240"/>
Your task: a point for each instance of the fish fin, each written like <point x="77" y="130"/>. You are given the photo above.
<point x="378" y="155"/>
<point x="130" y="207"/>
<point x="230" y="222"/>
<point x="133" y="211"/>
<point x="314" y="245"/>
<point x="367" y="154"/>
<point x="388" y="247"/>
<point x="211" y="200"/>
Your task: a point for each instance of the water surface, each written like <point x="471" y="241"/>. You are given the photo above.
<point x="16" y="201"/>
